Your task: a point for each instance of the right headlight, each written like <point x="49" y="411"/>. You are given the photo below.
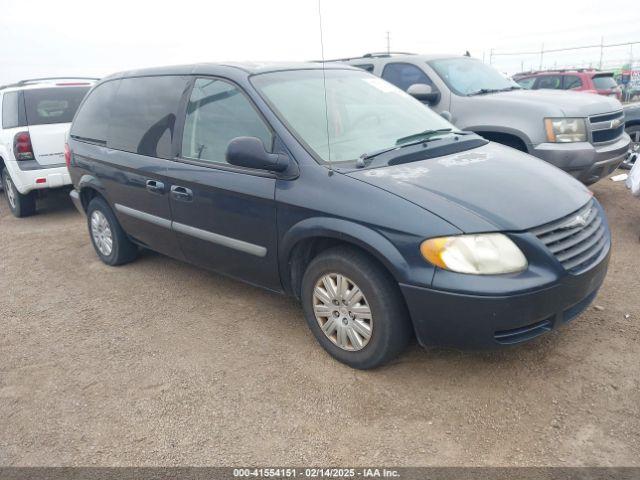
<point x="565" y="130"/>
<point x="481" y="254"/>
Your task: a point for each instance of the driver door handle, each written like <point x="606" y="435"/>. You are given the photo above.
<point x="182" y="194"/>
<point x="155" y="186"/>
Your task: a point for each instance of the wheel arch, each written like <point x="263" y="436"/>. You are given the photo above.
<point x="310" y="237"/>
<point x="89" y="187"/>
<point x="511" y="138"/>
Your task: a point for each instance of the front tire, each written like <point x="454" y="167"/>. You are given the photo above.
<point x="634" y="133"/>
<point x="109" y="240"/>
<point x="354" y="308"/>
<point x="21" y="205"/>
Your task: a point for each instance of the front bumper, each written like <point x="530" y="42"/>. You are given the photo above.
<point x="584" y="161"/>
<point x="479" y="321"/>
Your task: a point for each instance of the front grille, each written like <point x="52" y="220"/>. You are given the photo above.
<point x="607" y="135"/>
<point x="607" y="127"/>
<point x="576" y="240"/>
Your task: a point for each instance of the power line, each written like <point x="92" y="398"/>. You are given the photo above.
<point x="566" y="49"/>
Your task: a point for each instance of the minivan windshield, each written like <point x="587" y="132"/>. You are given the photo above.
<point x="468" y="76"/>
<point x="363" y="114"/>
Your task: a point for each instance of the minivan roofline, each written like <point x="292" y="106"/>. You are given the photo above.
<point x="250" y="68"/>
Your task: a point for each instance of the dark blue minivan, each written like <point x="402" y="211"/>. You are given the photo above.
<point x="333" y="186"/>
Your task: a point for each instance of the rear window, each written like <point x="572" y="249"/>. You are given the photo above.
<point x="604" y="83"/>
<point x="53" y="105"/>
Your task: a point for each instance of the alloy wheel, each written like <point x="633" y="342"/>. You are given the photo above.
<point x="101" y="233"/>
<point x="342" y="312"/>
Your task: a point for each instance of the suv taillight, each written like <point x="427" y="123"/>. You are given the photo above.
<point x="67" y="155"/>
<point x="22" y="148"/>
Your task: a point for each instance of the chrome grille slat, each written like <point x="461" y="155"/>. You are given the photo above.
<point x="558" y="224"/>
<point x="576" y="240"/>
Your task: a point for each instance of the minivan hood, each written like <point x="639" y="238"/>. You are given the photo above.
<point x="553" y="102"/>
<point x="489" y="188"/>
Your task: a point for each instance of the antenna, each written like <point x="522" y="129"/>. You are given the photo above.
<point x="324" y="84"/>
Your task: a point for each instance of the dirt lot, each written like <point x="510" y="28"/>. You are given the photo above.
<point x="161" y="363"/>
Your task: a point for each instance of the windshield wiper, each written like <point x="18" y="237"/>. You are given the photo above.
<point x="483" y="91"/>
<point x="424" y="134"/>
<point x="422" y="137"/>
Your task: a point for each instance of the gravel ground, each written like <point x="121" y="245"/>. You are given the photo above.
<point x="162" y="363"/>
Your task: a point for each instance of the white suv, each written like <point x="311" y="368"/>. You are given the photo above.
<point x="35" y="118"/>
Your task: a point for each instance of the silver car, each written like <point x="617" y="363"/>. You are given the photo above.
<point x="580" y="133"/>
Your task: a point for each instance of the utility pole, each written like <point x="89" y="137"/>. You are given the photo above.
<point x="601" y="50"/>
<point x="541" y="56"/>
<point x="491" y="57"/>
<point x="388" y="43"/>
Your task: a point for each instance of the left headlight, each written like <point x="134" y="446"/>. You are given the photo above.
<point x="565" y="130"/>
<point x="482" y="254"/>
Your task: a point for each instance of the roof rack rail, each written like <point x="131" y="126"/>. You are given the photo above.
<point x="559" y="70"/>
<point x="385" y="54"/>
<point x="366" y="55"/>
<point x="30" y="81"/>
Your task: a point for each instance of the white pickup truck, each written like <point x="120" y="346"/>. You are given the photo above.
<point x="35" y="118"/>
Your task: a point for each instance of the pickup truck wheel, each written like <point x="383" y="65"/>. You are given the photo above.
<point x="354" y="308"/>
<point x="109" y="240"/>
<point x="21" y="205"/>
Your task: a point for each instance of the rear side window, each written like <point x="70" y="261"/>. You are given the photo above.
<point x="550" y="81"/>
<point x="403" y="75"/>
<point x="604" y="83"/>
<point x="144" y="114"/>
<point x="53" y="105"/>
<point x="217" y="113"/>
<point x="92" y="122"/>
<point x="572" y="81"/>
<point x="10" y="116"/>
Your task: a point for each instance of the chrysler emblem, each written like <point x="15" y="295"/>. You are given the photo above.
<point x="579" y="220"/>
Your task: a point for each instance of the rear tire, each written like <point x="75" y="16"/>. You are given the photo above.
<point x="109" y="240"/>
<point x="21" y="205"/>
<point x="359" y="339"/>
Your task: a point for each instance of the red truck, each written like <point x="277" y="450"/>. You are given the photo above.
<point x="582" y="80"/>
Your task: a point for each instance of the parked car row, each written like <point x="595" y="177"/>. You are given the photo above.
<point x="329" y="184"/>
<point x="580" y="80"/>
<point x="581" y="134"/>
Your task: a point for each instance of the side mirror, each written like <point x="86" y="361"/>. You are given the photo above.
<point x="424" y="93"/>
<point x="250" y="152"/>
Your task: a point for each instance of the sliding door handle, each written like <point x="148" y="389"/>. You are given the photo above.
<point x="182" y="194"/>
